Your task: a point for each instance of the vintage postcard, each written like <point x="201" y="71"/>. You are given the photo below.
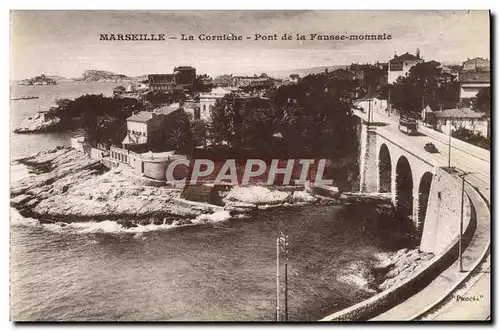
<point x="278" y="166"/>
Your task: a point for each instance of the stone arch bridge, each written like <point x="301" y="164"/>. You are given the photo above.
<point x="421" y="187"/>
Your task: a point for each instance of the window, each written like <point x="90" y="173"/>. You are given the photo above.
<point x="204" y="107"/>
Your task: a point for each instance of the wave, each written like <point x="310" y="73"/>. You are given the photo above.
<point x="18" y="171"/>
<point x="108" y="226"/>
<point x="359" y="275"/>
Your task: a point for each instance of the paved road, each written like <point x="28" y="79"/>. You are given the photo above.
<point x="475" y="162"/>
<point x="462" y="157"/>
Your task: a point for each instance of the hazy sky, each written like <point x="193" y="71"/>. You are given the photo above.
<point x="67" y="42"/>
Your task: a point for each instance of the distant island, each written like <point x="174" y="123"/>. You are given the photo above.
<point x="39" y="80"/>
<point x="101" y="76"/>
<point x="87" y="76"/>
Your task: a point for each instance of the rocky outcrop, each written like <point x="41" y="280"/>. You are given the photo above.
<point x="68" y="186"/>
<point x="38" y="123"/>
<point x="247" y="199"/>
<point x="399" y="266"/>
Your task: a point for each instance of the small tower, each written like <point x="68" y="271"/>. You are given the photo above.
<point x="418" y="53"/>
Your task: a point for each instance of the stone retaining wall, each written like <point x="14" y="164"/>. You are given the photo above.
<point x="387" y="299"/>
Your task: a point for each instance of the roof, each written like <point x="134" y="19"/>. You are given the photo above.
<point x="405" y="57"/>
<point x="428" y="109"/>
<point x="220" y="90"/>
<point x="143" y="116"/>
<point x="184" y="68"/>
<point x="368" y="99"/>
<point x="161" y="78"/>
<point x="342" y="73"/>
<point x="130" y="140"/>
<point x="474" y="77"/>
<point x="458" y="113"/>
<point x="476" y="59"/>
<point x="167" y="109"/>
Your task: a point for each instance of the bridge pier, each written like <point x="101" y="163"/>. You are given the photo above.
<point x="368" y="172"/>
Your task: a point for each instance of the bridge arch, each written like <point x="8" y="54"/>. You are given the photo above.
<point x="384" y="169"/>
<point x="404" y="189"/>
<point x="424" y="189"/>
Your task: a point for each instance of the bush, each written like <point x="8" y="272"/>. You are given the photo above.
<point x="472" y="138"/>
<point x="430" y="148"/>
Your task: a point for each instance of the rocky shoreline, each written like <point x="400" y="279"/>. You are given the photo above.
<point x="394" y="268"/>
<point x="67" y="186"/>
<point x="37" y="123"/>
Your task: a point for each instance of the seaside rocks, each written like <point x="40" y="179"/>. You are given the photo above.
<point x="401" y="265"/>
<point x="38" y="123"/>
<point x="65" y="184"/>
<point x="256" y="195"/>
<point x="69" y="183"/>
<point x="127" y="224"/>
<point x="358" y="275"/>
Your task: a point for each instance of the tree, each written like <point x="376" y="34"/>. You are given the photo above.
<point x="482" y="102"/>
<point x="177" y="132"/>
<point x="103" y="118"/>
<point x="317" y="117"/>
<point x="159" y="98"/>
<point x="199" y="129"/>
<point x="224" y="118"/>
<point x="425" y="85"/>
<point x="202" y="84"/>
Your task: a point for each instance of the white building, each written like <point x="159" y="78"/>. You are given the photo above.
<point x="374" y="104"/>
<point x="143" y="127"/>
<point x="136" y="87"/>
<point x="462" y="118"/>
<point x="400" y="66"/>
<point x="207" y="101"/>
<point x="471" y="82"/>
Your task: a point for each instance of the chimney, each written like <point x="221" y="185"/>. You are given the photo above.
<point x="418" y="53"/>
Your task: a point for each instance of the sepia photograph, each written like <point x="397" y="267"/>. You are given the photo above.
<point x="273" y="166"/>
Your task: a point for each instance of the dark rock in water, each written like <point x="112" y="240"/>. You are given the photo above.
<point x="144" y="222"/>
<point x="45" y="221"/>
<point x="383" y="267"/>
<point x="127" y="224"/>
<point x="157" y="221"/>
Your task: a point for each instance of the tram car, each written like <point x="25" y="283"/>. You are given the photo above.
<point x="408" y="125"/>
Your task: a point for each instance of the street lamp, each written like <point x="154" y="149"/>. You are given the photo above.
<point x="450" y="129"/>
<point x="462" y="176"/>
